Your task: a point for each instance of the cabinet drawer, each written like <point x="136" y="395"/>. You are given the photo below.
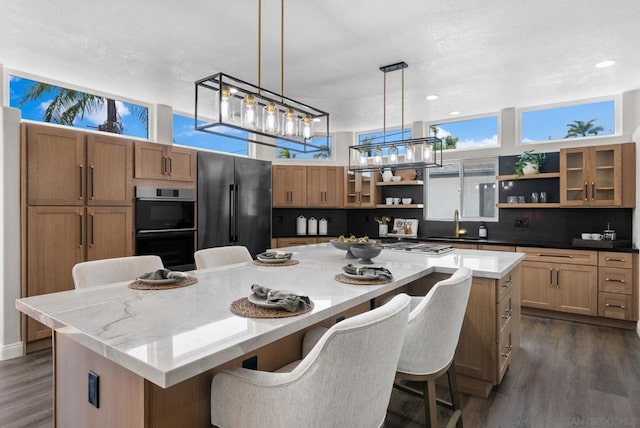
<point x="611" y="259"/>
<point x="615" y="280"/>
<point x="292" y="242"/>
<point x="495" y="247"/>
<point x="614" y="306"/>
<point x="553" y="255"/>
<point x="504" y="285"/>
<point x="505" y="351"/>
<point x="504" y="314"/>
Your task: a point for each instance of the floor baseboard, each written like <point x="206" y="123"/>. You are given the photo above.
<point x="13" y="350"/>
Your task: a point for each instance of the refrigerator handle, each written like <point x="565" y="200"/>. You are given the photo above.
<point x="232" y="213"/>
<point x="236" y="215"/>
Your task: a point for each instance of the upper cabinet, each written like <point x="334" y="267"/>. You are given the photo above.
<point x="598" y="176"/>
<point x="289" y="186"/>
<point x="67" y="167"/>
<point x="165" y="162"/>
<point x="360" y="190"/>
<point x="325" y="186"/>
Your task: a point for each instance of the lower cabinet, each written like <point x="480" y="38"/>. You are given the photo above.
<point x="570" y="286"/>
<point x="617" y="288"/>
<point x="300" y="240"/>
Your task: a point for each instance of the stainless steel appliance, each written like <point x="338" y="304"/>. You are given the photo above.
<point x="234" y="202"/>
<point x="418" y="247"/>
<point x="166" y="225"/>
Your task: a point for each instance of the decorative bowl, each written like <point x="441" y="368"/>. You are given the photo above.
<point x="406" y="201"/>
<point x="351" y="245"/>
<point x="365" y="254"/>
<point x="396" y="178"/>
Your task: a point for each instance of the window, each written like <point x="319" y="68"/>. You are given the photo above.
<point x="324" y="142"/>
<point x="469" y="187"/>
<point x="184" y="134"/>
<point x="467" y="133"/>
<point x="44" y="102"/>
<point x="391" y="135"/>
<point x="590" y="119"/>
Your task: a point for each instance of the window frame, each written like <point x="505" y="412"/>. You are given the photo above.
<point x="496" y="114"/>
<point x="332" y="147"/>
<point x="617" y="110"/>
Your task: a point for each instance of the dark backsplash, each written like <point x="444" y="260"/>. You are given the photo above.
<point x="551" y="225"/>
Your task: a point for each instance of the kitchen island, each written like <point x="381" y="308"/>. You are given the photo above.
<point x="156" y="351"/>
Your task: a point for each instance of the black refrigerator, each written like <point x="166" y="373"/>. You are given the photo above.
<point x="234" y="202"/>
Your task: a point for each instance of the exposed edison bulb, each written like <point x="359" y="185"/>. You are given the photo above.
<point x="377" y="156"/>
<point x="225" y="101"/>
<point x="270" y="118"/>
<point x="289" y="123"/>
<point x="411" y="153"/>
<point x="393" y="154"/>
<point x="307" y="127"/>
<point x="363" y="157"/>
<point x="249" y="111"/>
<point x="427" y="152"/>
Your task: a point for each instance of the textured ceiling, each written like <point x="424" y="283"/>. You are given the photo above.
<point x="478" y="56"/>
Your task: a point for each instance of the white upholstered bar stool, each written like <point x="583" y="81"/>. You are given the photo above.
<point x="221" y="256"/>
<point x="430" y="343"/>
<point x="345" y="380"/>
<point x="107" y="271"/>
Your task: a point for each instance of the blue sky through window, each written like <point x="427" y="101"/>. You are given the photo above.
<point x="478" y="132"/>
<point x="35" y="109"/>
<point x="184" y="134"/>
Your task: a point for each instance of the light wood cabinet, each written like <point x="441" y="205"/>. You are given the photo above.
<point x="63" y="169"/>
<point x="325" y="186"/>
<point x="360" y="189"/>
<point x="566" y="287"/>
<point x="617" y="285"/>
<point x="165" y="162"/>
<point x="300" y="240"/>
<point x="598" y="176"/>
<point x="289" y="185"/>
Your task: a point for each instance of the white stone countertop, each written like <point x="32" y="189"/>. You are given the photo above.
<point x="168" y="336"/>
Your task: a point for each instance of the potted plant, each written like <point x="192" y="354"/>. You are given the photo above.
<point x="529" y="163"/>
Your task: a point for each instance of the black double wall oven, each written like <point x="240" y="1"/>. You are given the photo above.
<point x="166" y="225"/>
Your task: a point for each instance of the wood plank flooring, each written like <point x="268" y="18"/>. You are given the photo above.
<point x="566" y="375"/>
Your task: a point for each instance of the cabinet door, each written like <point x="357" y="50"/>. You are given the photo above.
<point x="289" y="185"/>
<point x="56" y="167"/>
<point x="334" y="193"/>
<point x="109" y="232"/>
<point x="537" y="285"/>
<point x="298" y="186"/>
<point x="605" y="175"/>
<point x="360" y="189"/>
<point x="574" y="185"/>
<point x="576" y="289"/>
<point x="279" y="185"/>
<point x="182" y="164"/>
<point x="316" y="186"/>
<point x="55" y="242"/>
<point x="110" y="171"/>
<point x="151" y="161"/>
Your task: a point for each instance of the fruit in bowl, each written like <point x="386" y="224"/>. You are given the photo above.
<point x="343" y="243"/>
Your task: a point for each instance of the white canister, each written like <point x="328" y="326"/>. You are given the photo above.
<point x="383" y="229"/>
<point x="322" y="226"/>
<point x="312" y="226"/>
<point x="301" y="225"/>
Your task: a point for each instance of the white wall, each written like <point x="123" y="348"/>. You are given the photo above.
<point x="10" y="344"/>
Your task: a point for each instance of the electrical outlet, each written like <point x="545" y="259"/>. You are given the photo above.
<point x="521" y="222"/>
<point x="94" y="389"/>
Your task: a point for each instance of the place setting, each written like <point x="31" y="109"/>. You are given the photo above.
<point x="162" y="279"/>
<point x="265" y="302"/>
<point x="364" y="275"/>
<point x="275" y="259"/>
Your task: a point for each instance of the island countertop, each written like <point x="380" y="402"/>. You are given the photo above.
<point x="168" y="336"/>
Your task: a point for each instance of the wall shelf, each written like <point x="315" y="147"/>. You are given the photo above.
<point x="401" y="206"/>
<point x="400" y="183"/>
<point x="528" y="177"/>
<point x="529" y="205"/>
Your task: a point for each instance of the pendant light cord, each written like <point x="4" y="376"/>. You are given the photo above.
<point x="282" y="48"/>
<point x="402" y="109"/>
<point x="259" y="40"/>
<point x="384" y="108"/>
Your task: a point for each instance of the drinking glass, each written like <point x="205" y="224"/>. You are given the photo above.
<point x="534" y="198"/>
<point x="543" y="197"/>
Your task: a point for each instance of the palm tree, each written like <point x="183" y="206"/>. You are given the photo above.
<point x="323" y="153"/>
<point x="448" y="143"/>
<point x="286" y="153"/>
<point x="580" y="128"/>
<point x="68" y="105"/>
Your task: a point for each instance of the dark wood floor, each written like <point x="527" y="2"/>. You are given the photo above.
<point x="565" y="375"/>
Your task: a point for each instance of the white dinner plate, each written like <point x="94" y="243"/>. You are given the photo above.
<point x="159" y="281"/>
<point x="361" y="276"/>
<point x="263" y="260"/>
<point x="262" y="302"/>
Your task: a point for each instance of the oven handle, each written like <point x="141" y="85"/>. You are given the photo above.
<point x="158" y="231"/>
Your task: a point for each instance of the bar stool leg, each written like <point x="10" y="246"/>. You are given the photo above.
<point x="455" y="397"/>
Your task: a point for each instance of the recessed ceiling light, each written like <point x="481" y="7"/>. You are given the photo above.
<point x="604" y="64"/>
<point x="432" y="97"/>
<point x="454" y="113"/>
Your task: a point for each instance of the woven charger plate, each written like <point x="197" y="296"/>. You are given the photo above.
<point x="244" y="308"/>
<point x="345" y="279"/>
<point x="139" y="285"/>
<point x="289" y="262"/>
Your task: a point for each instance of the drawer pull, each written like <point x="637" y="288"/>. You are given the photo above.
<point x="508" y="313"/>
<point x="509" y="349"/>
<point x="609" y="305"/>
<point x="614" y="280"/>
<point x="508" y="283"/>
<point x="565" y="256"/>
<point x="614" y="259"/>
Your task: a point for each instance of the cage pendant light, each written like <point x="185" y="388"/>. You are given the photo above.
<point x="411" y="153"/>
<point x="225" y="104"/>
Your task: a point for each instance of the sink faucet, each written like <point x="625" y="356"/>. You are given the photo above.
<point x="456" y="218"/>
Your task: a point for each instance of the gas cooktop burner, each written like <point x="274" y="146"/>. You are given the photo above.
<point x="418" y="247"/>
